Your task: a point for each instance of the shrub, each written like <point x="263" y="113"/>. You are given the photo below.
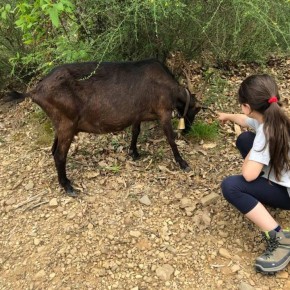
<point x="64" y="31"/>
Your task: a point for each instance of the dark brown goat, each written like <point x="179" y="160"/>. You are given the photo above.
<point x="108" y="97"/>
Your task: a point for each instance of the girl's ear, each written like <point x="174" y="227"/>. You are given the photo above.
<point x="246" y="109"/>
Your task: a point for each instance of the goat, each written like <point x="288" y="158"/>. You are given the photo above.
<point x="107" y="97"/>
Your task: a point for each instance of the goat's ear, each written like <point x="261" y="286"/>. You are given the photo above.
<point x="197" y="105"/>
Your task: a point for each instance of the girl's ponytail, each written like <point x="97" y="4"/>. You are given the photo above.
<point x="277" y="130"/>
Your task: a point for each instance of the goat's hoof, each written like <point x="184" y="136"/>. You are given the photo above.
<point x="70" y="191"/>
<point x="187" y="169"/>
<point x="135" y="155"/>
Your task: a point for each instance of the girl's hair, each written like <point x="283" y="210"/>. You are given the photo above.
<point x="256" y="91"/>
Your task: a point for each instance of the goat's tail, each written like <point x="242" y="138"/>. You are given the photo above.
<point x="14" y="96"/>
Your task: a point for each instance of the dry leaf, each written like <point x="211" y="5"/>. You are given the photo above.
<point x="209" y="145"/>
<point x="165" y="169"/>
<point x="237" y="129"/>
<point x="202" y="152"/>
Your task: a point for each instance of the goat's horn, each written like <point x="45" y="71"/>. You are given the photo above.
<point x="189" y="85"/>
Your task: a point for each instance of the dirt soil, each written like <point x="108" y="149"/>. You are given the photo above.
<point x="135" y="225"/>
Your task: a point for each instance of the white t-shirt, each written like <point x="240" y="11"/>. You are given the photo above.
<point x="260" y="153"/>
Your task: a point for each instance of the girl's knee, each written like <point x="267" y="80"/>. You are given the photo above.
<point x="229" y="187"/>
<point x="245" y="138"/>
<point x="245" y="142"/>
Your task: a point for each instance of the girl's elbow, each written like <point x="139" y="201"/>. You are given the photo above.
<point x="249" y="177"/>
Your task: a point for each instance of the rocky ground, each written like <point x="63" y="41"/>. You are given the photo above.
<point x="135" y="225"/>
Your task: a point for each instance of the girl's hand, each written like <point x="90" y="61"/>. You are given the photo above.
<point x="223" y="117"/>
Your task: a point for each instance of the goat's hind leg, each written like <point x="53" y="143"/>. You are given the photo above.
<point x="60" y="149"/>
<point x="54" y="145"/>
<point x="133" y="147"/>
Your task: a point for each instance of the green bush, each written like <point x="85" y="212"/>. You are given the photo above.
<point x="10" y="42"/>
<point x="52" y="32"/>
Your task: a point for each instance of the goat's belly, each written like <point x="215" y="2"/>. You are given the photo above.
<point x="104" y="126"/>
<point x="108" y="122"/>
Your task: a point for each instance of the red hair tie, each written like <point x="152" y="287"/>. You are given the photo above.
<point x="273" y="100"/>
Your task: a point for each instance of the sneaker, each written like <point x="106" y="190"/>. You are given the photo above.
<point x="277" y="254"/>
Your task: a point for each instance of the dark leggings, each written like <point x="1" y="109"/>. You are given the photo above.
<point x="245" y="195"/>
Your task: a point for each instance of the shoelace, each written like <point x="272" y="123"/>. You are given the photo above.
<point x="272" y="245"/>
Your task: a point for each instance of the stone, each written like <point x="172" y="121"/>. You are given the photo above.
<point x="209" y="199"/>
<point x="39" y="275"/>
<point x="145" y="200"/>
<point x="287" y="285"/>
<point x="90" y="226"/>
<point x="164" y="272"/>
<point x="206" y="218"/>
<point x="36" y="242"/>
<point x="71" y="215"/>
<point x="99" y="272"/>
<point x="135" y="234"/>
<point x="225" y="253"/>
<point x="10" y="201"/>
<point x="235" y="268"/>
<point x="53" y="202"/>
<point x="245" y="286"/>
<point x="185" y="202"/>
<point x="282" y="275"/>
<point x="91" y="199"/>
<point x="29" y="185"/>
<point x="143" y="244"/>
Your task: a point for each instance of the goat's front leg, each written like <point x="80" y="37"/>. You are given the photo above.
<point x="133" y="147"/>
<point x="169" y="133"/>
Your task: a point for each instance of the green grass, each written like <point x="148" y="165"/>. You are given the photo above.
<point x="204" y="131"/>
<point x="2" y="141"/>
<point x="114" y="168"/>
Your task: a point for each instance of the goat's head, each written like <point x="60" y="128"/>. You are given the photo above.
<point x="193" y="108"/>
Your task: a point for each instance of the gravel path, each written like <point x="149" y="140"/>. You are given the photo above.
<point x="135" y="225"/>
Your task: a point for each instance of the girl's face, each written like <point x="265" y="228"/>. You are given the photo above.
<point x="246" y="109"/>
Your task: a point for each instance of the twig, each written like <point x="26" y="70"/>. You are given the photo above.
<point x="33" y="202"/>
<point x="149" y="164"/>
<point x="217" y="266"/>
<point x="36" y="205"/>
<point x="33" y="198"/>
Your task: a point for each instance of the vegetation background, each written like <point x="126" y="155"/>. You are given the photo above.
<point x="37" y="35"/>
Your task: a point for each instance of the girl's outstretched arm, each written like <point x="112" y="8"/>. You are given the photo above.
<point x="239" y="119"/>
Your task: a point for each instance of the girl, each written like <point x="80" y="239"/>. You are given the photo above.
<point x="265" y="178"/>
